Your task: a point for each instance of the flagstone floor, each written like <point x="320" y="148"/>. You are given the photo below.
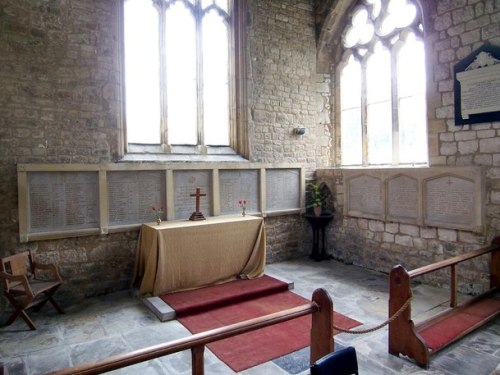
<point x="120" y="322"/>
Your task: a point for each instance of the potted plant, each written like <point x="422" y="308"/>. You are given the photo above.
<point x="316" y="199"/>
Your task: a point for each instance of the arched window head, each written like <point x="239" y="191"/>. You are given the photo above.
<point x="382" y="86"/>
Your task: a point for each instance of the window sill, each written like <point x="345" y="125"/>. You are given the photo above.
<point x="156" y="153"/>
<point x="400" y="166"/>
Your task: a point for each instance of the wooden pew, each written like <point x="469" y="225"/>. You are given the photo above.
<point x="419" y="341"/>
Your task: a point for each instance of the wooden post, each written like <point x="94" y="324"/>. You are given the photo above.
<point x="453" y="286"/>
<point x="197" y="366"/>
<point x="403" y="338"/>
<point x="322" y="326"/>
<point x="495" y="265"/>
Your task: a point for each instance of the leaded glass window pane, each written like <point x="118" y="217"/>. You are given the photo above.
<point x="379" y="107"/>
<point x="412" y="106"/>
<point x="142" y="72"/>
<point x="180" y="49"/>
<point x="215" y="80"/>
<point x="351" y="137"/>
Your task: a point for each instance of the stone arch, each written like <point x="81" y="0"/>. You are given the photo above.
<point x="328" y="40"/>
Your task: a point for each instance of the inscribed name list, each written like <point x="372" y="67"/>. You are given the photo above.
<point x="236" y="185"/>
<point x="365" y="196"/>
<point x="450" y="200"/>
<point x="131" y="195"/>
<point x="61" y="201"/>
<point x="282" y="189"/>
<point x="402" y="198"/>
<point x="480" y="90"/>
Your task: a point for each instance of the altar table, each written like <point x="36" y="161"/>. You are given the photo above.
<point x="183" y="254"/>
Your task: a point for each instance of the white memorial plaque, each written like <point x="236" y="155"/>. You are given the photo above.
<point x="60" y="201"/>
<point x="365" y="196"/>
<point x="282" y="189"/>
<point x="131" y="195"/>
<point x="450" y="200"/>
<point x="185" y="184"/>
<point x="236" y="185"/>
<point x="402" y="199"/>
<point x="480" y="90"/>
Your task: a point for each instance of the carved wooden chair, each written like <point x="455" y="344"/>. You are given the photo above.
<point x="28" y="284"/>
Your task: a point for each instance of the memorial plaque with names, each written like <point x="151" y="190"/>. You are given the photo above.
<point x="185" y="184"/>
<point x="282" y="189"/>
<point x="61" y="201"/>
<point x="365" y="197"/>
<point x="238" y="185"/>
<point x="449" y="200"/>
<point x="131" y="195"/>
<point x="402" y="199"/>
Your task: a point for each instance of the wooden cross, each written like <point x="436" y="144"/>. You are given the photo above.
<point x="197" y="215"/>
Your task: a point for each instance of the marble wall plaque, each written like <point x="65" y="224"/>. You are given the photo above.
<point x="60" y="201"/>
<point x="185" y="184"/>
<point x="480" y="90"/>
<point x="131" y="195"/>
<point x="238" y="185"/>
<point x="477" y="86"/>
<point x="402" y="199"/>
<point x="365" y="196"/>
<point x="449" y="200"/>
<point x="282" y="189"/>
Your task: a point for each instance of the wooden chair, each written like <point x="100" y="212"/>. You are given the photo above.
<point x="28" y="284"/>
<point x="340" y="362"/>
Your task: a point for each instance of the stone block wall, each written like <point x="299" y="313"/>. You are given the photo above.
<point x="284" y="89"/>
<point x="59" y="103"/>
<point x="453" y="30"/>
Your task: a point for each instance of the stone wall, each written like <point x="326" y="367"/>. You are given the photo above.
<point x="284" y="90"/>
<point x="60" y="103"/>
<point x="453" y="29"/>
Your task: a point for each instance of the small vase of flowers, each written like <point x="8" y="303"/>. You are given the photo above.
<point x="243" y="206"/>
<point x="158" y="213"/>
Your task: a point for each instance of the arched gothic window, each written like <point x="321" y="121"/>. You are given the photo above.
<point x="181" y="84"/>
<point x="382" y="86"/>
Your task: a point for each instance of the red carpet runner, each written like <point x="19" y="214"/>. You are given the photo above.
<point x="216" y="306"/>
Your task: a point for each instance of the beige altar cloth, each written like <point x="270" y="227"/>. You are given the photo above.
<point x="178" y="255"/>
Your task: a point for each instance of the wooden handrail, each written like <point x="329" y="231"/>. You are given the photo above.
<point x="321" y="309"/>
<point x="451" y="261"/>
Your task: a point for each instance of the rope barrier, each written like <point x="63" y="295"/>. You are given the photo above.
<point x="377" y="327"/>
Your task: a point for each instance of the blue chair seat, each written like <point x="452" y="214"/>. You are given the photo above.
<point x="340" y="362"/>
